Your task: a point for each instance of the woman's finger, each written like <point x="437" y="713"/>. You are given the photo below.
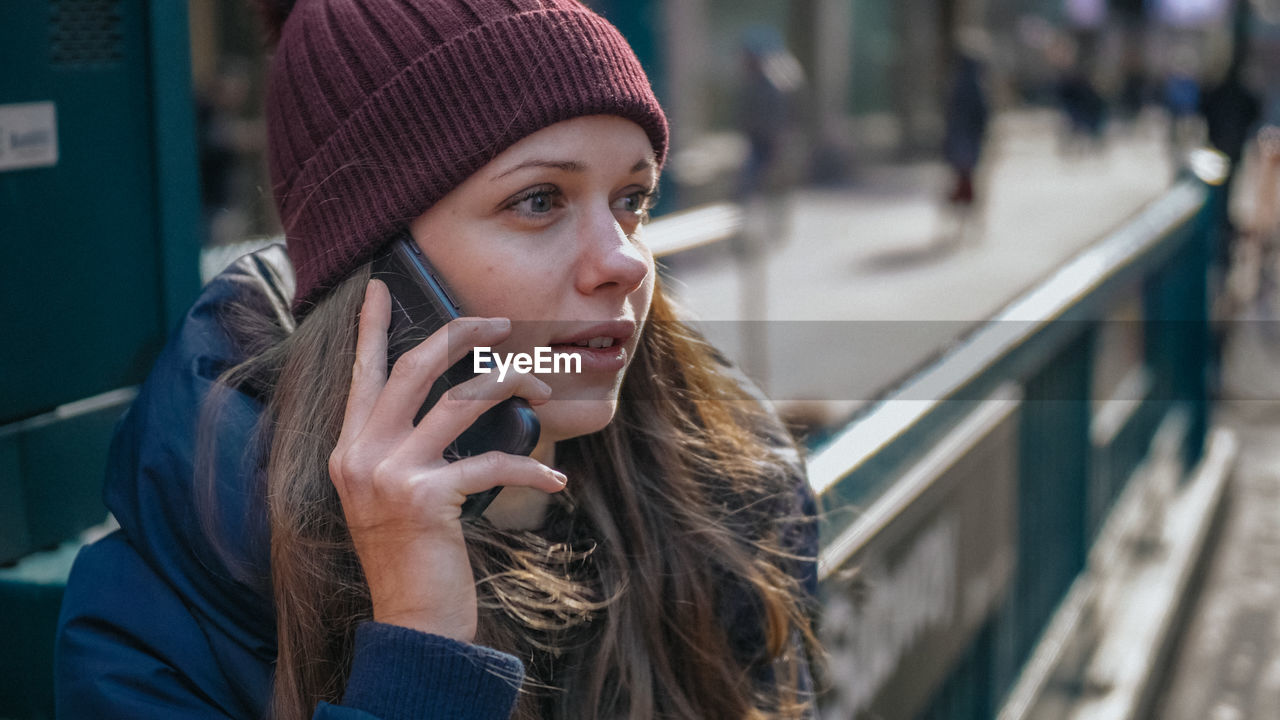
<point x="415" y="371"/>
<point x="483" y="472"/>
<point x="463" y="404"/>
<point x="369" y="371"/>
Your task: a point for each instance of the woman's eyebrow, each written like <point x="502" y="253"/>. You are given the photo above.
<point x="565" y="165"/>
<point x="568" y="166"/>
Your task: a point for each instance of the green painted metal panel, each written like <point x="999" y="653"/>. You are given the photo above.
<point x="85" y="286"/>
<point x="641" y="23"/>
<point x="51" y="472"/>
<point x="62" y="489"/>
<point x="31" y="595"/>
<point x="14" y="539"/>
<point x="177" y="167"/>
<point x="1052" y="512"/>
<point x="101" y="238"/>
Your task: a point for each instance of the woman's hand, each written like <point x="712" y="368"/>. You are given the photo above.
<point x="402" y="500"/>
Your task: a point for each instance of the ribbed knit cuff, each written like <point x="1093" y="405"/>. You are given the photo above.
<point x="403" y="674"/>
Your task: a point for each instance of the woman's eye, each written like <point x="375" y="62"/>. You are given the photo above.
<point x="638" y="202"/>
<point x="538" y="201"/>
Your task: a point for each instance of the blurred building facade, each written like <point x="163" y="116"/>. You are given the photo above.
<point x="876" y="71"/>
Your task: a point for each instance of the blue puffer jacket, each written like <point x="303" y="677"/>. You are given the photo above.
<point x="158" y="621"/>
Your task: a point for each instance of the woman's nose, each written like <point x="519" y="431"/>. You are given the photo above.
<point x="609" y="259"/>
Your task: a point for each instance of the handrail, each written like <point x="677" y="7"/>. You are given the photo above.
<point x="1018" y="322"/>
<point x="958" y="508"/>
<point x="915" y="482"/>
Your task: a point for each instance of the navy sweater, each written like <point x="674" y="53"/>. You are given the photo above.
<point x="160" y="621"/>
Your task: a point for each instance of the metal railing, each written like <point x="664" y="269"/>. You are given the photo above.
<point x="959" y="509"/>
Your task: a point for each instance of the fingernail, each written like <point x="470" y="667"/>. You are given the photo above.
<point x="500" y="323"/>
<point x="560" y="477"/>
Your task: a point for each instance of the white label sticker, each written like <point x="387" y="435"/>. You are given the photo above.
<point x="28" y="136"/>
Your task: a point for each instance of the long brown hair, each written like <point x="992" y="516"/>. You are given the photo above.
<point x="677" y="513"/>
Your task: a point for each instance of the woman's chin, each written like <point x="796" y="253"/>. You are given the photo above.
<point x="566" y="419"/>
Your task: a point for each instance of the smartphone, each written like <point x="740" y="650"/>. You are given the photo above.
<point x="420" y="305"/>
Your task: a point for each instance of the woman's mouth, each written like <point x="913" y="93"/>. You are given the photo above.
<point x="591" y="356"/>
<point x="600" y="348"/>
<point x="596" y="342"/>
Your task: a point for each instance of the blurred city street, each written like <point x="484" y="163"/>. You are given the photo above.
<point x="868" y="282"/>
<point x="866" y="287"/>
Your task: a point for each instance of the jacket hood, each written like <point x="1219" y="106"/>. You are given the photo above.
<point x="191" y="506"/>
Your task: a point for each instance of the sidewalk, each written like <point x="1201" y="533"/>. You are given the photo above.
<point x="861" y="279"/>
<point x="1227" y="665"/>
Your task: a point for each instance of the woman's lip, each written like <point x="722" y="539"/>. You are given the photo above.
<point x="607" y="359"/>
<point x="619" y="330"/>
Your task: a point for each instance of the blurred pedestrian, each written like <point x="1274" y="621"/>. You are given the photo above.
<point x="1231" y="111"/>
<point x="1133" y="93"/>
<point x="966" y="128"/>
<point x="1181" y="97"/>
<point x="771" y="84"/>
<point x="967" y="117"/>
<point x="770" y="90"/>
<point x="1083" y="108"/>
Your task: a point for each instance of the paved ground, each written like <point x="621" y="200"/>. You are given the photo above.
<point x="1227" y="666"/>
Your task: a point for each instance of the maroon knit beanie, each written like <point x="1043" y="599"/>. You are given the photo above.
<point x="378" y="108"/>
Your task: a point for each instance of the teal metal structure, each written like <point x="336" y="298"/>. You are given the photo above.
<point x="1024" y="492"/>
<point x="100" y="217"/>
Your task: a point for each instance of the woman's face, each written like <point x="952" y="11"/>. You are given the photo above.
<point x="546" y="234"/>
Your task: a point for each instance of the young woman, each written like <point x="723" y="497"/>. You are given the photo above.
<point x="292" y="543"/>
